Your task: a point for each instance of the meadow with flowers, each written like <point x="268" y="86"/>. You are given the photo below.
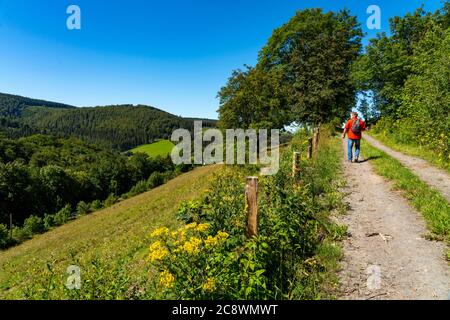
<point x="186" y="239"/>
<point x="294" y="254"/>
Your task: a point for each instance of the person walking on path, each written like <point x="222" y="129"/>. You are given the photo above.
<point x="354" y="128"/>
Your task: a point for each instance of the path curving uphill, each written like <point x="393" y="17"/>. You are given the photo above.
<point x="386" y="236"/>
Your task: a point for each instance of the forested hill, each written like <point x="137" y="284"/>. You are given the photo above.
<point x="120" y="127"/>
<point x="13" y="106"/>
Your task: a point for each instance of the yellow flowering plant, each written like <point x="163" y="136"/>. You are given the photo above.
<point x="189" y="260"/>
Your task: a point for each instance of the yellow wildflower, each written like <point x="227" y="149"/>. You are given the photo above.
<point x="160" y="231"/>
<point x="192" y="246"/>
<point x="211" y="241"/>
<point x="158" y="254"/>
<point x="166" y="279"/>
<point x="209" y="285"/>
<point x="192" y="225"/>
<point x="155" y="245"/>
<point x="222" y="235"/>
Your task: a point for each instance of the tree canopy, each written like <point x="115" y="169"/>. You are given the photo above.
<point x="302" y="74"/>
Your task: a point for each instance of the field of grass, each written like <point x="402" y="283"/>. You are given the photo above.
<point x="433" y="206"/>
<point x="159" y="148"/>
<point x="412" y="150"/>
<point x="110" y="247"/>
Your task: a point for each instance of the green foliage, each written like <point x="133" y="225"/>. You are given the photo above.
<point x="302" y="75"/>
<point x="119" y="127"/>
<point x="140" y="187"/>
<point x="156" y="179"/>
<point x="83" y="208"/>
<point x="63" y="215"/>
<point x="96" y="205"/>
<point x="407" y="73"/>
<point x="33" y="225"/>
<point x="11" y="105"/>
<point x="49" y="221"/>
<point x="41" y="174"/>
<point x="4" y="236"/>
<point x="19" y="235"/>
<point x="287" y="259"/>
<point x="111" y="200"/>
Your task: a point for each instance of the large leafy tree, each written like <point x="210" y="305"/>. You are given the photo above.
<point x="314" y="52"/>
<point x="302" y="75"/>
<point x="388" y="60"/>
<point x="254" y="98"/>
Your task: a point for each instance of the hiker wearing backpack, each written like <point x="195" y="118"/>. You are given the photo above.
<point x="354" y="128"/>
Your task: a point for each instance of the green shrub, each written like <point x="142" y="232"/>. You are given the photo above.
<point x="139" y="188"/>
<point x="64" y="215"/>
<point x="83" y="208"/>
<point x="33" y="225"/>
<point x="111" y="200"/>
<point x="96" y="205"/>
<point x="49" y="221"/>
<point x="156" y="179"/>
<point x="282" y="261"/>
<point x="4" y="236"/>
<point x="20" y="235"/>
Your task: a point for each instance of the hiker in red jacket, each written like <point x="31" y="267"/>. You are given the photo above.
<point x="354" y="128"/>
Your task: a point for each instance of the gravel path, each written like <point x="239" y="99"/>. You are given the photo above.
<point x="429" y="174"/>
<point x="386" y="237"/>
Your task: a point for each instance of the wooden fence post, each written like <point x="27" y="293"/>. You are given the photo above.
<point x="316" y="140"/>
<point x="310" y="148"/>
<point x="251" y="198"/>
<point x="295" y="164"/>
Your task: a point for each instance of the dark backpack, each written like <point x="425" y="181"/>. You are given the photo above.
<point x="356" y="126"/>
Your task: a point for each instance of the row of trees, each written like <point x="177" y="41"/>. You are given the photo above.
<point x="41" y="175"/>
<point x="302" y="75"/>
<point x="406" y="74"/>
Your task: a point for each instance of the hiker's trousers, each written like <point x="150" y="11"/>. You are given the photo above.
<point x="353" y="143"/>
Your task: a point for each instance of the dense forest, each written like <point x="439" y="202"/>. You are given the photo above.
<point x="406" y="75"/>
<point x="120" y="127"/>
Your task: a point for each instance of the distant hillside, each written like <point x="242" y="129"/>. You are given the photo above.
<point x="13" y="106"/>
<point x="120" y="127"/>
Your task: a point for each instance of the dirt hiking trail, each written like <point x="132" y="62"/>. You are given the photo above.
<point x="386" y="234"/>
<point x="429" y="174"/>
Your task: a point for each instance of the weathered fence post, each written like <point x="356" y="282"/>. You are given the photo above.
<point x="251" y="198"/>
<point x="310" y="148"/>
<point x="316" y="139"/>
<point x="295" y="164"/>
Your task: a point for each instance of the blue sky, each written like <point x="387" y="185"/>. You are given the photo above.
<point x="174" y="55"/>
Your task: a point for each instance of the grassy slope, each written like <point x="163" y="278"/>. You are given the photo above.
<point x="159" y="148"/>
<point x="109" y="246"/>
<point x="433" y="206"/>
<point x="412" y="150"/>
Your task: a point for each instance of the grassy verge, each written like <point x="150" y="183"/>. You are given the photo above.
<point x="429" y="202"/>
<point x="295" y="253"/>
<point x="412" y="150"/>
<point x="109" y="246"/>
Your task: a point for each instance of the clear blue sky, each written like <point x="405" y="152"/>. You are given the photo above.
<point x="174" y="55"/>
